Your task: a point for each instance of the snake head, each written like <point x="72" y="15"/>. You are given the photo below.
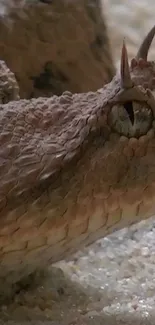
<point x="133" y="102"/>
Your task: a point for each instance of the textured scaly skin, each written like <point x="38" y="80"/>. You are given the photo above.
<point x="73" y="169"/>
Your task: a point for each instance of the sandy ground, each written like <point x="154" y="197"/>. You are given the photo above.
<point x="113" y="281"/>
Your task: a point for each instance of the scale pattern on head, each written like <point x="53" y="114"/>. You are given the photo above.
<point x="133" y="104"/>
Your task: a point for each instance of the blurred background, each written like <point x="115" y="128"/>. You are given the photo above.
<point x="129" y="19"/>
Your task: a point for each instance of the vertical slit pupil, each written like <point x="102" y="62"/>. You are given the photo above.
<point x="129" y="108"/>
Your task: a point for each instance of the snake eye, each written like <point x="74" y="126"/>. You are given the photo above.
<point x="131" y="118"/>
<point x="129" y="108"/>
